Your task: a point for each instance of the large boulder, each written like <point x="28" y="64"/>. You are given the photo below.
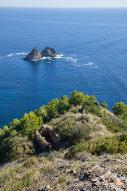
<point x="41" y="142"/>
<point x="34" y="55"/>
<point x="49" y="52"/>
<point x="47" y="138"/>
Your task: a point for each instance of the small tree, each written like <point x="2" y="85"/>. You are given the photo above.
<point x="15" y="147"/>
<point x="52" y="109"/>
<point x="30" y="124"/>
<point x="63" y="105"/>
<point x="77" y="98"/>
<point x="42" y="112"/>
<point x="72" y="132"/>
<point x="1" y="132"/>
<point x="15" y="125"/>
<point x="119" y="108"/>
<point x="104" y="105"/>
<point x="6" y="130"/>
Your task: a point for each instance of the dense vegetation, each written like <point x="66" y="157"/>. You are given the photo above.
<point x="18" y="139"/>
<point x="111" y="145"/>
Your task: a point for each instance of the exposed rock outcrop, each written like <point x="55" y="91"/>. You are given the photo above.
<point x="49" y="52"/>
<point x="47" y="138"/>
<point x="34" y="55"/>
<point x="41" y="142"/>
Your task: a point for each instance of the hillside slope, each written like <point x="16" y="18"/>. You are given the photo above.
<point x="52" y="172"/>
<point x="71" y="144"/>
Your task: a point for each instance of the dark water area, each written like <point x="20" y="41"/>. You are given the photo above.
<point x="93" y="43"/>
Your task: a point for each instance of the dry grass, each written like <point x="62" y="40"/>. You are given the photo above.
<point x="17" y="176"/>
<point x="54" y="170"/>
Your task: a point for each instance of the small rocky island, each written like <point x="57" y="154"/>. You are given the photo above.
<point x="35" y="54"/>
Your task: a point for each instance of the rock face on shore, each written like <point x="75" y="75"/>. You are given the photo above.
<point x="35" y="54"/>
<point x="49" y="52"/>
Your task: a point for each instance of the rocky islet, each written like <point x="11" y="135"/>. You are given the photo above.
<point x="36" y="55"/>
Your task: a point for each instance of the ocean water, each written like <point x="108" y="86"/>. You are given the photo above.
<point x="93" y="43"/>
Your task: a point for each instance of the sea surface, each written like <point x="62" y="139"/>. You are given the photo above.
<point x="93" y="44"/>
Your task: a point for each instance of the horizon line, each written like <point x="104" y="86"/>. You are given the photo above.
<point x="106" y="7"/>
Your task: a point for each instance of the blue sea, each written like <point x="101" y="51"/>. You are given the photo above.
<point x="93" y="44"/>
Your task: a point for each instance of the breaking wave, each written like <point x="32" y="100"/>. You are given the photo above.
<point x="83" y="64"/>
<point x="90" y="64"/>
<point x="72" y="60"/>
<point x="59" y="56"/>
<point x="17" y="53"/>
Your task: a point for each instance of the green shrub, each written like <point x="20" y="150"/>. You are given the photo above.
<point x="42" y="112"/>
<point x="114" y="123"/>
<point x="74" y="110"/>
<point x="89" y="103"/>
<point x="15" y="124"/>
<point x="13" y="133"/>
<point x="30" y="124"/>
<point x="10" y="130"/>
<point x="111" y="124"/>
<point x="70" y="131"/>
<point x="104" y="105"/>
<point x="52" y="109"/>
<point x="122" y="138"/>
<point x="2" y="132"/>
<point x="92" y="106"/>
<point x="120" y="108"/>
<point x="15" y="147"/>
<point x="77" y="98"/>
<point x="6" y="131"/>
<point x="63" y="105"/>
<point x="111" y="145"/>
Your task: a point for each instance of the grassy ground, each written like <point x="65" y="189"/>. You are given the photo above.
<point x="57" y="173"/>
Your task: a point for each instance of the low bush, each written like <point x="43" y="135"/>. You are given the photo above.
<point x="114" y="124"/>
<point x="111" y="125"/>
<point x="52" y="109"/>
<point x="63" y="105"/>
<point x="120" y="108"/>
<point x="123" y="138"/>
<point x="104" y="105"/>
<point x="15" y="124"/>
<point x="15" y="147"/>
<point x="111" y="145"/>
<point x="77" y="98"/>
<point x="20" y="132"/>
<point x="92" y="106"/>
<point x="42" y="112"/>
<point x="72" y="132"/>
